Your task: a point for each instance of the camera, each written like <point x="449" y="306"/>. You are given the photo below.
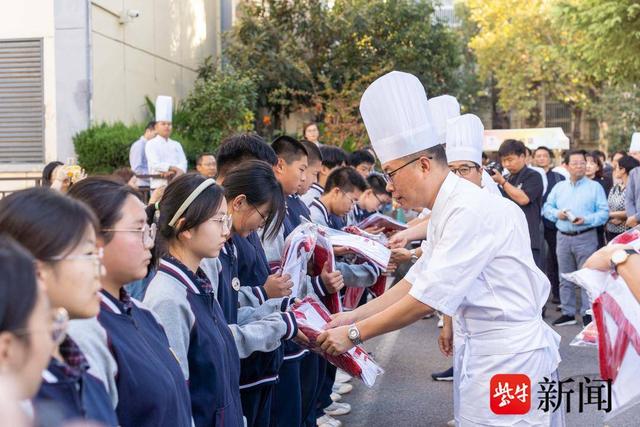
<point x="494" y="168"/>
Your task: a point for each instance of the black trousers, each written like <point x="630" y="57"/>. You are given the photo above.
<point x="551" y="261"/>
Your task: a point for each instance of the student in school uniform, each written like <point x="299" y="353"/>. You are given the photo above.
<point x="362" y="161"/>
<point x="256" y="201"/>
<point x="371" y="200"/>
<point x="343" y="188"/>
<point x="125" y="345"/>
<point x="332" y="158"/>
<point x="61" y="234"/>
<point x="194" y="224"/>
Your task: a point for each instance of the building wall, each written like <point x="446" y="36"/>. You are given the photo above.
<point x="157" y="53"/>
<point x="33" y="19"/>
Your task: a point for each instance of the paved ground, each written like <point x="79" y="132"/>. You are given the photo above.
<point x="405" y="395"/>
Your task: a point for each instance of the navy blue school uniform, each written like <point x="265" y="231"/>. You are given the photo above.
<point x="69" y="393"/>
<point x="260" y="371"/>
<point x="128" y="351"/>
<point x="186" y="305"/>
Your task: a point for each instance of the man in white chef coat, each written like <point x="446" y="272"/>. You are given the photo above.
<point x="164" y="155"/>
<point x="477" y="266"/>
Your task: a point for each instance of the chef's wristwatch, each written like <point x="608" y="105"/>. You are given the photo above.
<point x="620" y="256"/>
<point x="354" y="335"/>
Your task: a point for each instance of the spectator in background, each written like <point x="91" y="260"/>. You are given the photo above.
<point x="563" y="168"/>
<point x="543" y="157"/>
<point x="523" y="186"/>
<point x="206" y="165"/>
<point x="607" y="169"/>
<point x="362" y="161"/>
<point x="532" y="165"/>
<point x="126" y="176"/>
<point x="632" y="193"/>
<point x="595" y="171"/>
<point x="577" y="206"/>
<point x="47" y="173"/>
<point x="617" y="156"/>
<point x="137" y="156"/>
<point x="332" y="158"/>
<point x="617" y="213"/>
<point x="311" y="133"/>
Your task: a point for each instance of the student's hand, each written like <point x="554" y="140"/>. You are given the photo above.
<point x="601" y="259"/>
<point x="332" y="281"/>
<point x="445" y="340"/>
<point x="498" y="178"/>
<point x="341" y="250"/>
<point x="342" y="319"/>
<point x="302" y="339"/>
<point x="579" y="221"/>
<point x="632" y="221"/>
<point x="562" y="215"/>
<point x="374" y="230"/>
<point x="400" y="255"/>
<point x="391" y="268"/>
<point x="335" y="341"/>
<point x="278" y="285"/>
<point x="398" y="240"/>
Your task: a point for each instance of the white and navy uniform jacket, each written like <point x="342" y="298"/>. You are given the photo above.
<point x="198" y="332"/>
<point x="354" y="275"/>
<point x="70" y="393"/>
<point x="128" y="350"/>
<point x="315" y="191"/>
<point x="357" y="215"/>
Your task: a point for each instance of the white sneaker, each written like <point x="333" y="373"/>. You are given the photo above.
<point x="328" y="421"/>
<point x="335" y="396"/>
<point x="337" y="408"/>
<point x="341" y="388"/>
<point x="342" y="376"/>
<point x="451" y="423"/>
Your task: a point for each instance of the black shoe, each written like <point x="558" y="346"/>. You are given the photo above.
<point x="586" y="319"/>
<point x="443" y="376"/>
<point x="565" y="320"/>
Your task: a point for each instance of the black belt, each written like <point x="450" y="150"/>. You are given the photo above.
<point x="576" y="233"/>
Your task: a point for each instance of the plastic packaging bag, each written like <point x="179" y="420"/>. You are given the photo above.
<point x="312" y="317"/>
<point x="588" y="337"/>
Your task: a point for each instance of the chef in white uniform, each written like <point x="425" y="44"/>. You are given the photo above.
<point x="164" y="155"/>
<point x="477" y="266"/>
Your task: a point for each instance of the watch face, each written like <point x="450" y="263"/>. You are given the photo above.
<point x="619" y="256"/>
<point x="353" y="334"/>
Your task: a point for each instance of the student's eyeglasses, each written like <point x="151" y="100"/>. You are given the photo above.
<point x="148" y="233"/>
<point x="464" y="170"/>
<point x="58" y="330"/>
<point x="226" y="221"/>
<point x="95" y="258"/>
<point x="388" y="176"/>
<point x="353" y="202"/>
<point x="264" y="218"/>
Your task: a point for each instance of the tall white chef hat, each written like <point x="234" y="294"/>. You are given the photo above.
<point x="395" y="112"/>
<point x="464" y="139"/>
<point x="164" y="108"/>
<point x="635" y="142"/>
<point x="443" y="108"/>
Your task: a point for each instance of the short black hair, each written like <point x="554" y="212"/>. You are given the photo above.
<point x="628" y="163"/>
<point x="239" y="148"/>
<point x="151" y="125"/>
<point x="378" y="184"/>
<point x="313" y="152"/>
<point x="547" y="149"/>
<point x="48" y="171"/>
<point x="600" y="154"/>
<point x="346" y="179"/>
<point x="333" y="156"/>
<point x="105" y="196"/>
<point x="45" y="222"/>
<point x="528" y="150"/>
<point x="512" y="146"/>
<point x="622" y="152"/>
<point x="18" y="285"/>
<point x="570" y="153"/>
<point x="200" y="156"/>
<point x="359" y="157"/>
<point x="289" y="149"/>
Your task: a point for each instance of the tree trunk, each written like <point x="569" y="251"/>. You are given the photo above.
<point x="576" y="124"/>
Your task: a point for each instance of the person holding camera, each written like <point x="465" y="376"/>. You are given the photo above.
<point x="577" y="206"/>
<point x="523" y="186"/>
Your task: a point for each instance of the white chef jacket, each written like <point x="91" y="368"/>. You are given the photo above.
<point x="477" y="266"/>
<point x="489" y="184"/>
<point x="162" y="153"/>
